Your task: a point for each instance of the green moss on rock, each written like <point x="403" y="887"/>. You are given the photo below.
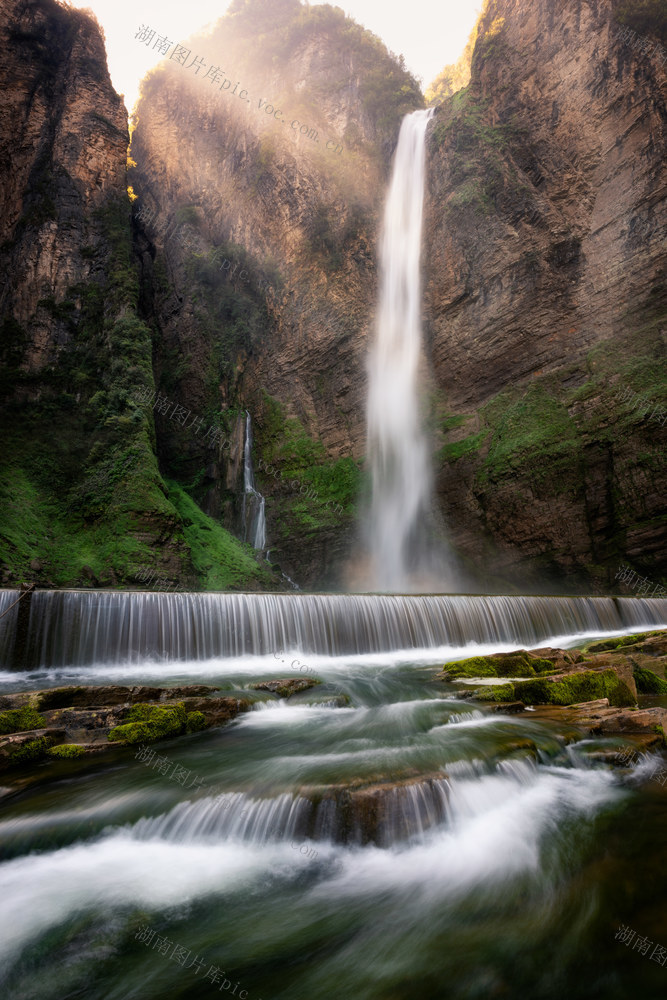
<point x="30" y="750"/>
<point x="605" y="645"/>
<point x="148" y="723"/>
<point x="66" y="751"/>
<point x="499" y="692"/>
<point x="519" y="664"/>
<point x="648" y="683"/>
<point x="17" y="720"/>
<point x="195" y="721"/>
<point x="586" y="686"/>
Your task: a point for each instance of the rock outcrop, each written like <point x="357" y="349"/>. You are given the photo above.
<point x="83" y="499"/>
<point x="59" y="723"/>
<point x="257" y="234"/>
<point x="545" y="298"/>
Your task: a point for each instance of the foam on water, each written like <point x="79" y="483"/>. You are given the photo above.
<point x="495" y="829"/>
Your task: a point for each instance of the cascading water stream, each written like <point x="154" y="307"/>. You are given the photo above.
<point x="401" y="482"/>
<point x="75" y="628"/>
<point x="254" y="517"/>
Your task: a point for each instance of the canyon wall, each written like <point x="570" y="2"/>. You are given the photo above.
<point x="545" y="295"/>
<point x="83" y="499"/>
<point x="240" y="274"/>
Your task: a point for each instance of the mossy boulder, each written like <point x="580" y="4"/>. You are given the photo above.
<point x="195" y="721"/>
<point x="587" y="685"/>
<point x="30" y="750"/>
<point x="519" y="664"/>
<point x="17" y="720"/>
<point x="66" y="751"/>
<point x="286" y="687"/>
<point x="604" y="645"/>
<point x="148" y="723"/>
<point x="648" y="683"/>
<point x="499" y="692"/>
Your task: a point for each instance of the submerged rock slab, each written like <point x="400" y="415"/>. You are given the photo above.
<point x="286" y="687"/>
<point x="381" y="813"/>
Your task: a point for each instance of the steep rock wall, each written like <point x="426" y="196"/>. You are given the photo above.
<point x="544" y="256"/>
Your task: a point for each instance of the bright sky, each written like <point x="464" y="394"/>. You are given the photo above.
<point x="429" y="33"/>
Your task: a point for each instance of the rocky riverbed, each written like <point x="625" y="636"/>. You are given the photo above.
<point x="596" y="687"/>
<point x="38" y="727"/>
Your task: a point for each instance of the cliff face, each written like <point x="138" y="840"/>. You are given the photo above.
<point x="545" y="259"/>
<point x="264" y="234"/>
<point x="83" y="501"/>
<point x="243" y="277"/>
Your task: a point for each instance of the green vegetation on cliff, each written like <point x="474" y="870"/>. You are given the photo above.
<point x="277" y="29"/>
<point x="646" y="17"/>
<point x="80" y="481"/>
<point x="80" y="485"/>
<point x="314" y="492"/>
<point x="543" y="433"/>
<point x="221" y="561"/>
<point x="476" y="151"/>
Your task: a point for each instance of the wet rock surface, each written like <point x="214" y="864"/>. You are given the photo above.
<point x="624" y="665"/>
<point x="286" y="687"/>
<point x="86" y="716"/>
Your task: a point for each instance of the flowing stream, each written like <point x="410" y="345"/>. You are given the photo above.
<point x="374" y="837"/>
<point x="401" y="482"/>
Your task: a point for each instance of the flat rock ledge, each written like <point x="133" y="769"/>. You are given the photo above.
<point x="595" y="688"/>
<point x="38" y="727"/>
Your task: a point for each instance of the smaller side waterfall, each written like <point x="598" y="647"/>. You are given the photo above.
<point x="254" y="519"/>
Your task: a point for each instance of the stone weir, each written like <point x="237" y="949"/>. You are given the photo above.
<point x="51" y="629"/>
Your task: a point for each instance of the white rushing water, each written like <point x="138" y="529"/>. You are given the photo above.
<point x="481" y="834"/>
<point x="254" y="518"/>
<point x="85" y="628"/>
<point x="401" y="482"/>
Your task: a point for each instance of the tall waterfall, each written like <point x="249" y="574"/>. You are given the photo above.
<point x="254" y="519"/>
<point x="401" y="483"/>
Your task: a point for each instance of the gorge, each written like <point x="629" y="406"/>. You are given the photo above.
<point x="333" y="629"/>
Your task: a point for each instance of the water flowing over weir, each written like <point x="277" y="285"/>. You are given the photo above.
<point x="323" y="845"/>
<point x="77" y="628"/>
<point x="401" y="482"/>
